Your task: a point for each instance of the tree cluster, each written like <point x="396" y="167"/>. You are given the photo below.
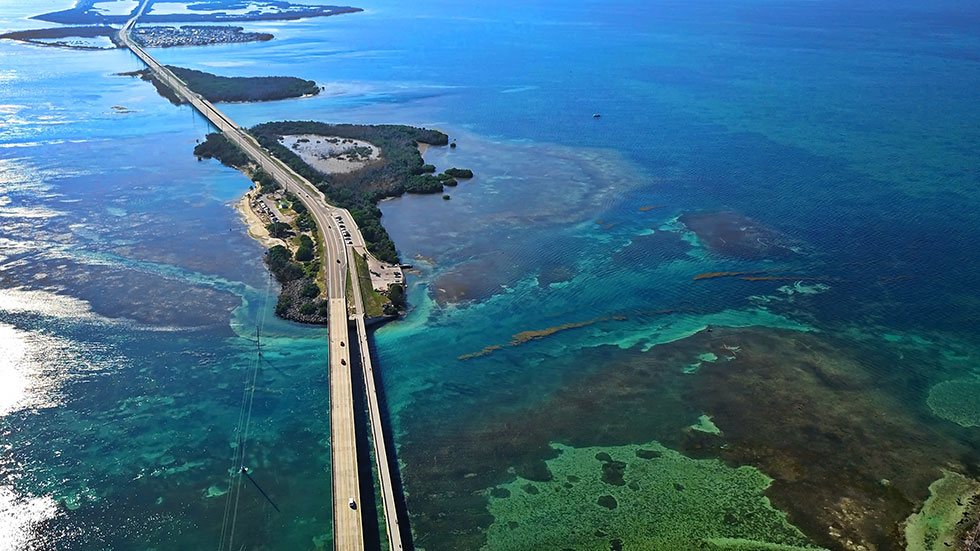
<point x="217" y="146"/>
<point x="280" y="230"/>
<point x="216" y="88"/>
<point x="281" y="264"/>
<point x="459" y="172"/>
<point x="298" y="297"/>
<point x="305" y="251"/>
<point x="266" y="183"/>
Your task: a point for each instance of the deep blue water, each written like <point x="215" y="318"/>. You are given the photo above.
<point x="845" y="131"/>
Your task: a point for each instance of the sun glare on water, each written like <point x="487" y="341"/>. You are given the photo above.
<point x="13" y="380"/>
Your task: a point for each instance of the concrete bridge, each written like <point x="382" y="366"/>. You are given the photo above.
<point x="337" y="264"/>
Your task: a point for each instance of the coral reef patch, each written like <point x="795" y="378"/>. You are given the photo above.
<point x="735" y="235"/>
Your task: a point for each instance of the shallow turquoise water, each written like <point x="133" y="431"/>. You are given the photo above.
<point x="848" y="130"/>
<point x="131" y="297"/>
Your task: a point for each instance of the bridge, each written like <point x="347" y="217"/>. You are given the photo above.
<point x="337" y="263"/>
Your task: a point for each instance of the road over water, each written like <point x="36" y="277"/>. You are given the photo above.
<point x="348" y="525"/>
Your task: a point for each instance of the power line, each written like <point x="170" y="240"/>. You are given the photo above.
<point x="241" y="431"/>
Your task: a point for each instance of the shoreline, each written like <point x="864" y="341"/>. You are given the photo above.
<point x="253" y="223"/>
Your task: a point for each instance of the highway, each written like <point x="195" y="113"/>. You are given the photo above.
<point x="377" y="429"/>
<point x="347" y="522"/>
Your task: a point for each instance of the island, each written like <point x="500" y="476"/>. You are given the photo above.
<point x="98" y="37"/>
<point x="355" y="166"/>
<point x="215" y="88"/>
<point x="195" y="35"/>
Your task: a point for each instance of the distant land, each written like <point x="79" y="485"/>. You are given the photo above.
<point x="53" y="37"/>
<point x="194" y="35"/>
<point x="148" y="37"/>
<point x="216" y="88"/>
<point x="86" y="12"/>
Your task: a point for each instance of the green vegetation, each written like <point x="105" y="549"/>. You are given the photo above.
<point x="312" y="270"/>
<point x="217" y="88"/>
<point x="283" y="305"/>
<point x="297" y="300"/>
<point x="423" y="183"/>
<point x="445" y="197"/>
<point x="427" y="169"/>
<point x="162" y="89"/>
<point x="401" y="170"/>
<point x="280" y="230"/>
<point x="305" y="222"/>
<point x="305" y="251"/>
<point x="281" y="264"/>
<point x="396" y="294"/>
<point x="298" y="273"/>
<point x="459" y="172"/>
<point x="310" y="290"/>
<point x="266" y="183"/>
<point x="217" y="146"/>
<point x="297" y="206"/>
<point x="374" y="302"/>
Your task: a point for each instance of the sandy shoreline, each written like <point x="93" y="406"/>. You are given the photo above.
<point x="256" y="228"/>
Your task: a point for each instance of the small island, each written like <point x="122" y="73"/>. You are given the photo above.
<point x="459" y="172"/>
<point x="216" y="89"/>
<point x="355" y="166"/>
